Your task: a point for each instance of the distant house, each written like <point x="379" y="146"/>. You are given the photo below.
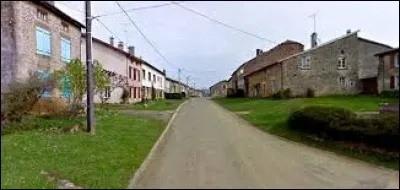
<point x="37" y="36"/>
<point x="123" y="68"/>
<point x="153" y="78"/>
<point x="388" y="70"/>
<point x="238" y="79"/>
<point x="171" y="85"/>
<point x="219" y="89"/>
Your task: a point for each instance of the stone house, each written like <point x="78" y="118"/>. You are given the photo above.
<point x="344" y="65"/>
<point x="219" y="89"/>
<point x="388" y="70"/>
<point x="123" y="68"/>
<point x="262" y="82"/>
<point x="238" y="79"/>
<point x="152" y="78"/>
<point x="171" y="85"/>
<point x="37" y="36"/>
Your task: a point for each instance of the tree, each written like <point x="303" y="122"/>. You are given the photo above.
<point x="102" y="80"/>
<point x="153" y="93"/>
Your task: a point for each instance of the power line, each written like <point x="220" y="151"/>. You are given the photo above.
<point x="224" y="24"/>
<point x="136" y="9"/>
<point x="108" y="29"/>
<point x="144" y="36"/>
<point x="74" y="9"/>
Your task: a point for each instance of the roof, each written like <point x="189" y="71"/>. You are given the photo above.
<point x="387" y="51"/>
<point x="59" y="13"/>
<point x="124" y="53"/>
<point x="218" y="83"/>
<point x="370" y="41"/>
<point x="170" y="79"/>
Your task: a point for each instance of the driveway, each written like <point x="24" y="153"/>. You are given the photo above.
<point x="210" y="148"/>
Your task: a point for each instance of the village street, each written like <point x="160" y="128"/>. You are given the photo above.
<point x="208" y="147"/>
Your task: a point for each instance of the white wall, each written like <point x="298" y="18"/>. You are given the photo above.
<point x="159" y="85"/>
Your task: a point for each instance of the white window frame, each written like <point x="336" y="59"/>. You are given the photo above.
<point x="342" y="63"/>
<point x="305" y="62"/>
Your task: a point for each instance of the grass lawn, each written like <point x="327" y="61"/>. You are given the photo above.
<point x="158" y="105"/>
<point x="271" y="115"/>
<point x="106" y="160"/>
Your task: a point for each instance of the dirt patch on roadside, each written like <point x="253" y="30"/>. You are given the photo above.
<point x="242" y="112"/>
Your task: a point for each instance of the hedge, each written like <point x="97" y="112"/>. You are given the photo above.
<point x="390" y="94"/>
<point x="332" y="123"/>
<point x="173" y="95"/>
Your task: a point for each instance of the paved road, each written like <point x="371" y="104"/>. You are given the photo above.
<point x="210" y="148"/>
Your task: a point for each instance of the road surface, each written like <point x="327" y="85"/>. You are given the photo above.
<point x="210" y="148"/>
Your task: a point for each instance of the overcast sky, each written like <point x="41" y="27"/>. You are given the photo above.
<point x="210" y="52"/>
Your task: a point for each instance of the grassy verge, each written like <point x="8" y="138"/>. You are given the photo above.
<point x="271" y="116"/>
<point x="158" y="105"/>
<point x="106" y="160"/>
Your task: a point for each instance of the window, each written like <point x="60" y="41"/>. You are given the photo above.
<point x="305" y="62"/>
<point x="154" y="78"/>
<point x="65" y="50"/>
<point x="394" y="82"/>
<point x="64" y="27"/>
<point x="342" y="60"/>
<point x="130" y="72"/>
<point x="42" y="41"/>
<point x="342" y="82"/>
<point x="42" y="15"/>
<point x="107" y="92"/>
<point x="396" y="60"/>
<point x="44" y="75"/>
<point x="144" y="74"/>
<point x="149" y="74"/>
<point x="134" y="92"/>
<point x="138" y="74"/>
<point x="134" y="74"/>
<point x="65" y="87"/>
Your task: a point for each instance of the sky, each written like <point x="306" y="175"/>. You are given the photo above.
<point x="208" y="52"/>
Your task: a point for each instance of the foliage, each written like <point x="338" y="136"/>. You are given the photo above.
<point x="332" y="123"/>
<point x="21" y="97"/>
<point x="102" y="81"/>
<point x="310" y="93"/>
<point x="125" y="95"/>
<point x="238" y="94"/>
<point x="390" y="94"/>
<point x="173" y="96"/>
<point x="277" y="95"/>
<point x="287" y="93"/>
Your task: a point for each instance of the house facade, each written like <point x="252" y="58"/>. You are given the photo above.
<point x="341" y="66"/>
<point x="388" y="70"/>
<point x="238" y="79"/>
<point x="171" y="85"/>
<point x="260" y="82"/>
<point x="219" y="89"/>
<point x="122" y="67"/>
<point x="152" y="78"/>
<point x="37" y="37"/>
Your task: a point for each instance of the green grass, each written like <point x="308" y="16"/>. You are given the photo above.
<point x="106" y="160"/>
<point x="271" y="115"/>
<point x="158" y="105"/>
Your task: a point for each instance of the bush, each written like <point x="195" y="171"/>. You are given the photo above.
<point x="333" y="123"/>
<point x="173" y="95"/>
<point x="287" y="93"/>
<point x="277" y="95"/>
<point x="125" y="95"/>
<point x="238" y="94"/>
<point x="21" y="98"/>
<point x="310" y="93"/>
<point x="390" y="94"/>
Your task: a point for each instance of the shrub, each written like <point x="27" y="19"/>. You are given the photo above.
<point x="21" y="98"/>
<point x="72" y="111"/>
<point x="310" y="93"/>
<point x="173" y="96"/>
<point x="239" y="93"/>
<point x="390" y="94"/>
<point x="277" y="95"/>
<point x="287" y="93"/>
<point x="125" y="95"/>
<point x="333" y="123"/>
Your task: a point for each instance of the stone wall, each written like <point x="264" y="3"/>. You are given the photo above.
<point x="386" y="70"/>
<point x="8" y="54"/>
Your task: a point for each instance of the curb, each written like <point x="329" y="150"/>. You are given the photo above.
<point x="143" y="166"/>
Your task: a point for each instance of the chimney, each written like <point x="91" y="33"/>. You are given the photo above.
<point x="348" y="31"/>
<point x="164" y="72"/>
<point x="112" y="41"/>
<point x="258" y="52"/>
<point x="121" y="45"/>
<point x="131" y="50"/>
<point x="313" y="39"/>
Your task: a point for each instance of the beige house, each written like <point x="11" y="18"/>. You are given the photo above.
<point x="219" y="89"/>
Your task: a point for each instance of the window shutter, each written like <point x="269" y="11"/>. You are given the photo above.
<point x="47" y="46"/>
<point x="391" y="82"/>
<point x="65" y="91"/>
<point x="39" y="40"/>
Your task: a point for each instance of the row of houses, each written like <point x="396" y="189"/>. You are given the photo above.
<point x="348" y="64"/>
<point x="37" y="36"/>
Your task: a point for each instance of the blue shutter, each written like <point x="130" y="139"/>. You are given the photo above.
<point x="65" y="89"/>
<point x="65" y="50"/>
<point x="44" y="75"/>
<point x="43" y="45"/>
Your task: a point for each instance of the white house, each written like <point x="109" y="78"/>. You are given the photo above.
<point x="151" y="77"/>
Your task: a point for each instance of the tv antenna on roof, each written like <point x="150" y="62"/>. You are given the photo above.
<point x="314" y="15"/>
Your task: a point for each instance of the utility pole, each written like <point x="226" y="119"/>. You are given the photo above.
<point x="89" y="75"/>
